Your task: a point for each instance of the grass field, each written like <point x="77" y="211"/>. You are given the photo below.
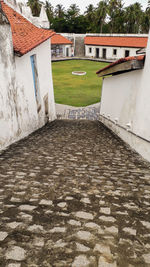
<point x="77" y="90"/>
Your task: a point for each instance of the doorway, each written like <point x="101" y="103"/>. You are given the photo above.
<point x="97" y="52"/>
<point x="104" y="53"/>
<point x="67" y="52"/>
<point x="127" y="53"/>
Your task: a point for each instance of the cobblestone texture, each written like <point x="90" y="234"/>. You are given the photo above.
<point x="72" y="194"/>
<point x="83" y="113"/>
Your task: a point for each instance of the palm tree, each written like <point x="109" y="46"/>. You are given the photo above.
<point x="133" y="18"/>
<point x="73" y="11"/>
<point x="90" y="18"/>
<point x="101" y="13"/>
<point x="90" y="12"/>
<point x="49" y="10"/>
<point x="113" y="7"/>
<point x="59" y="11"/>
<point x="146" y="21"/>
<point x="35" y="6"/>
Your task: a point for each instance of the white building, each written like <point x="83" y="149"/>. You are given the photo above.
<point x="26" y="87"/>
<point x="61" y="46"/>
<point x="112" y="47"/>
<point x="125" y="102"/>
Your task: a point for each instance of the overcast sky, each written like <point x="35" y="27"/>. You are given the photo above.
<point x="83" y="3"/>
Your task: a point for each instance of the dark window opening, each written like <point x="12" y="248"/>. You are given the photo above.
<point x="115" y="52"/>
<point x="97" y="52"/>
<point x="127" y="53"/>
<point x="67" y="52"/>
<point x="104" y="53"/>
<point x="90" y="50"/>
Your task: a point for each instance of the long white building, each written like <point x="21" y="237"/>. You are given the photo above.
<point x="113" y="46"/>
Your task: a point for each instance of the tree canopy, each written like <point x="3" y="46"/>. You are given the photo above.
<point x="109" y="16"/>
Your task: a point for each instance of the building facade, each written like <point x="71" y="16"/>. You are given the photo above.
<point x="26" y="96"/>
<point x="61" y="46"/>
<point x="125" y="98"/>
<point x="113" y="47"/>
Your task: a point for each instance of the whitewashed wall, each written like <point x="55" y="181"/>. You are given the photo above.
<point x="125" y="107"/>
<point x="60" y="50"/>
<point x="8" y="88"/>
<point x="25" y="81"/>
<point x="109" y="53"/>
<point x="18" y="110"/>
<point x="119" y="98"/>
<point x="69" y="50"/>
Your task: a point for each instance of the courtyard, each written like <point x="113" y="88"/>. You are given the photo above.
<point x="78" y="91"/>
<point x="73" y="194"/>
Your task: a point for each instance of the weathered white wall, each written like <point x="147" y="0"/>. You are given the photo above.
<point x="69" y="50"/>
<point x="60" y="50"/>
<point x="18" y="107"/>
<point x="9" y="126"/>
<point x="125" y="106"/>
<point x="119" y="94"/>
<point x="25" y="81"/>
<point x="109" y="53"/>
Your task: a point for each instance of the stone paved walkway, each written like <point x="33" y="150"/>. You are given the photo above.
<point x="78" y="113"/>
<point x="72" y="194"/>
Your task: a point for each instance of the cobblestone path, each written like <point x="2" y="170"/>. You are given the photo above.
<point x="72" y="194"/>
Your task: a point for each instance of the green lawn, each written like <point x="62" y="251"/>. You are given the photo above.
<point x="77" y="90"/>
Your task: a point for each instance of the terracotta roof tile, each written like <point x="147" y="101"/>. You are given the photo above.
<point x="122" y="60"/>
<point x="117" y="41"/>
<point x="25" y="35"/>
<point x="59" y="39"/>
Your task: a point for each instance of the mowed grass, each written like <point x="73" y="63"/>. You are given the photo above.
<point x="78" y="91"/>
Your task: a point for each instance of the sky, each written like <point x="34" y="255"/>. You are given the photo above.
<point x="84" y="3"/>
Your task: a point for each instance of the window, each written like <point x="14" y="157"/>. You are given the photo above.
<point x="90" y="50"/>
<point x="127" y="53"/>
<point x="35" y="81"/>
<point x="114" y="52"/>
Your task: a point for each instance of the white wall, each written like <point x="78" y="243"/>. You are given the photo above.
<point x="8" y="88"/>
<point x="109" y="53"/>
<point x="18" y="107"/>
<point x="65" y="50"/>
<point x="126" y="102"/>
<point x="119" y="94"/>
<point x="25" y="81"/>
<point x="60" y="50"/>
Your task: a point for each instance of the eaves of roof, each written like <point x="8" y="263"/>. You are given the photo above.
<point x="25" y="35"/>
<point x="58" y="39"/>
<point x="122" y="65"/>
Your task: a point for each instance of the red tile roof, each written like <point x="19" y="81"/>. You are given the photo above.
<point x="25" y="35"/>
<point x="122" y="60"/>
<point x="117" y="41"/>
<point x="59" y="39"/>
